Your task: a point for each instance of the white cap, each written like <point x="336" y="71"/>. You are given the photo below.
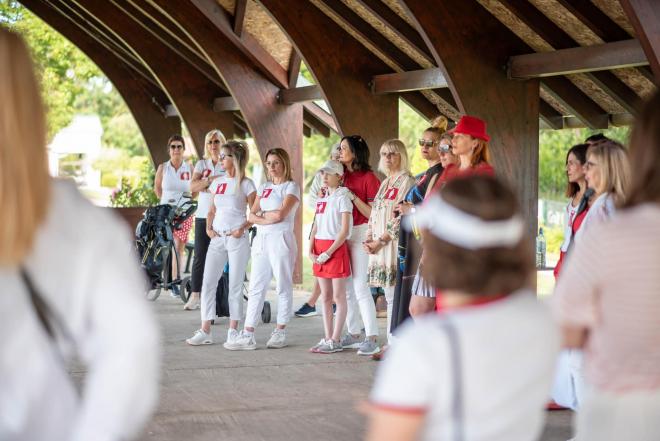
<point x="333" y="167"/>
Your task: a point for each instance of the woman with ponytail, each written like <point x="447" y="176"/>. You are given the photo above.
<point x="409" y="248"/>
<point x="226" y="225"/>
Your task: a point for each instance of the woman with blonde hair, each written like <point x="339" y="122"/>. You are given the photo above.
<point x="171" y="184"/>
<point x="69" y="289"/>
<point x="382" y="235"/>
<point x="273" y="251"/>
<point x="206" y="170"/>
<point x="226" y="225"/>
<point x="606" y="300"/>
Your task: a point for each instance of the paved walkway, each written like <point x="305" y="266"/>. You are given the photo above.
<point x="209" y="393"/>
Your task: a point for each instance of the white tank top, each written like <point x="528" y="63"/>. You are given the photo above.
<point x="206" y="168"/>
<point x="175" y="183"/>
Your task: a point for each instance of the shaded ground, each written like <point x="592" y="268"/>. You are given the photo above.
<point x="209" y="393"/>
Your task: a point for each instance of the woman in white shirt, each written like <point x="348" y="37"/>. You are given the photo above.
<point x="274" y="250"/>
<point x="226" y="225"/>
<point x="206" y="170"/>
<point x="68" y="261"/>
<point x="172" y="181"/>
<point x="330" y="254"/>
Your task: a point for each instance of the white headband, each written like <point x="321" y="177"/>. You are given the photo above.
<point x="464" y="230"/>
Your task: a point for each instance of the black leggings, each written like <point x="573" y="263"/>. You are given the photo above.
<point x="202" y="241"/>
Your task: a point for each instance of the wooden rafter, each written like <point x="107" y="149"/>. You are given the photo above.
<point x="423" y="79"/>
<point x="627" y="53"/>
<point x="620" y="93"/>
<point x="644" y="15"/>
<point x="596" y="20"/>
<point x="550" y="116"/>
<point x="570" y="96"/>
<point x="300" y="94"/>
<point x="294" y="67"/>
<point x="420" y="104"/>
<point x="239" y="16"/>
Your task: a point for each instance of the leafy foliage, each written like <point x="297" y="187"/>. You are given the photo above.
<point x="128" y="195"/>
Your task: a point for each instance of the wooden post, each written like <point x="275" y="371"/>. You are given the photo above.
<point x="644" y="15"/>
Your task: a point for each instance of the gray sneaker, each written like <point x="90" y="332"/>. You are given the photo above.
<point x="317" y="345"/>
<point x="329" y="347"/>
<point x="350" y="342"/>
<point x="368" y="347"/>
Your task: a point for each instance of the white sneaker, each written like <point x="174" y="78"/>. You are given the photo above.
<point x="243" y="342"/>
<point x="317" y="345"/>
<point x="277" y="339"/>
<point x="200" y="338"/>
<point x="232" y="335"/>
<point x="192" y="304"/>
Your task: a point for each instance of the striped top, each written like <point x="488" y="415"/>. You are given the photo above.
<point x="610" y="285"/>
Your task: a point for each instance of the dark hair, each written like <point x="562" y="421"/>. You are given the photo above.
<point x="645" y="155"/>
<point x="595" y="138"/>
<point x="580" y="152"/>
<point x="176" y="138"/>
<point x="360" y="150"/>
<point x="484" y="271"/>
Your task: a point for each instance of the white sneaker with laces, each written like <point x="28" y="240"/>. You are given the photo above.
<point x="192" y="304"/>
<point x="232" y="335"/>
<point x="277" y="339"/>
<point x="243" y="342"/>
<point x="200" y="338"/>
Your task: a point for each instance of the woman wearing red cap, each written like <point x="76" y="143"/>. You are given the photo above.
<point x="470" y="144"/>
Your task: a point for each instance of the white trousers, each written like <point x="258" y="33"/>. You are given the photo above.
<point x="222" y="250"/>
<point x="358" y="294"/>
<point x="273" y="254"/>
<point x="567" y="389"/>
<point x="609" y="416"/>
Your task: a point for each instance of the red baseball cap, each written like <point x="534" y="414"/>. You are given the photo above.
<point x="471" y="125"/>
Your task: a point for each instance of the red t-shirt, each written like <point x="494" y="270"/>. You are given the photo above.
<point x="365" y="185"/>
<point x="452" y="172"/>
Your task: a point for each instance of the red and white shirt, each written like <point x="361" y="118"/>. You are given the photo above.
<point x="365" y="185"/>
<point x="175" y="183"/>
<point x="328" y="214"/>
<point x="230" y="200"/>
<point x="271" y="197"/>
<point x="206" y="168"/>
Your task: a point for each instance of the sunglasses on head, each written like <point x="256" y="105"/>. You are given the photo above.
<point x="176" y="146"/>
<point x="224" y="155"/>
<point x="427" y="143"/>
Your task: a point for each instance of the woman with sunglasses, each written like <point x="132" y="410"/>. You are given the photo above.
<point x="226" y="225"/>
<point x="206" y="170"/>
<point x="409" y="250"/>
<point x="273" y="252"/>
<point x="172" y="181"/>
<point x="363" y="185"/>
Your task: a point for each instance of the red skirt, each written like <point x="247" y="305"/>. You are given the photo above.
<point x="339" y="264"/>
<point x="183" y="232"/>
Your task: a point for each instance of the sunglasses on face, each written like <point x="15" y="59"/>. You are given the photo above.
<point x="214" y="142"/>
<point x="444" y="148"/>
<point x="223" y="156"/>
<point x="427" y="143"/>
<point x="176" y="146"/>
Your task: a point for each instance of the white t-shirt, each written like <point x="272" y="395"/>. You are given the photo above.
<point x="175" y="183"/>
<point x="485" y="370"/>
<point x="230" y="202"/>
<point x="328" y="214"/>
<point x="101" y="304"/>
<point x="206" y="168"/>
<point x="271" y="197"/>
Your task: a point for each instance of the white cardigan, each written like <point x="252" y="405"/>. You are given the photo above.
<point x="83" y="267"/>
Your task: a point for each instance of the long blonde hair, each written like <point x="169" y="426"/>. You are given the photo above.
<point x="24" y="179"/>
<point x="240" y="156"/>
<point x="614" y="169"/>
<point x="207" y="138"/>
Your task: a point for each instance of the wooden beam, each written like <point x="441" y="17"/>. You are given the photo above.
<point x="246" y="43"/>
<point x="398" y="26"/>
<point x="294" y="67"/>
<point x="270" y="123"/>
<point x="553" y="119"/>
<point x="307" y="131"/>
<point x="239" y="16"/>
<point x="617" y="90"/>
<point x="596" y="20"/>
<point x="456" y="33"/>
<point x="342" y="68"/>
<point x="418" y="102"/>
<point x="542" y="25"/>
<point x="644" y="15"/>
<point x="135" y="91"/>
<point x="316" y="124"/>
<point x="570" y="96"/>
<point x="408" y="81"/>
<point x="300" y="94"/>
<point x="628" y="53"/>
<point x="175" y="75"/>
<point x="320" y="114"/>
<point x="225" y="104"/>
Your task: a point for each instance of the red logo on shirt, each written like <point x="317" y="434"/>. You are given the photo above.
<point x="391" y="193"/>
<point x="266" y="193"/>
<point x="185" y="176"/>
<point x="320" y="207"/>
<point x="221" y="188"/>
<point x="206" y="173"/>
